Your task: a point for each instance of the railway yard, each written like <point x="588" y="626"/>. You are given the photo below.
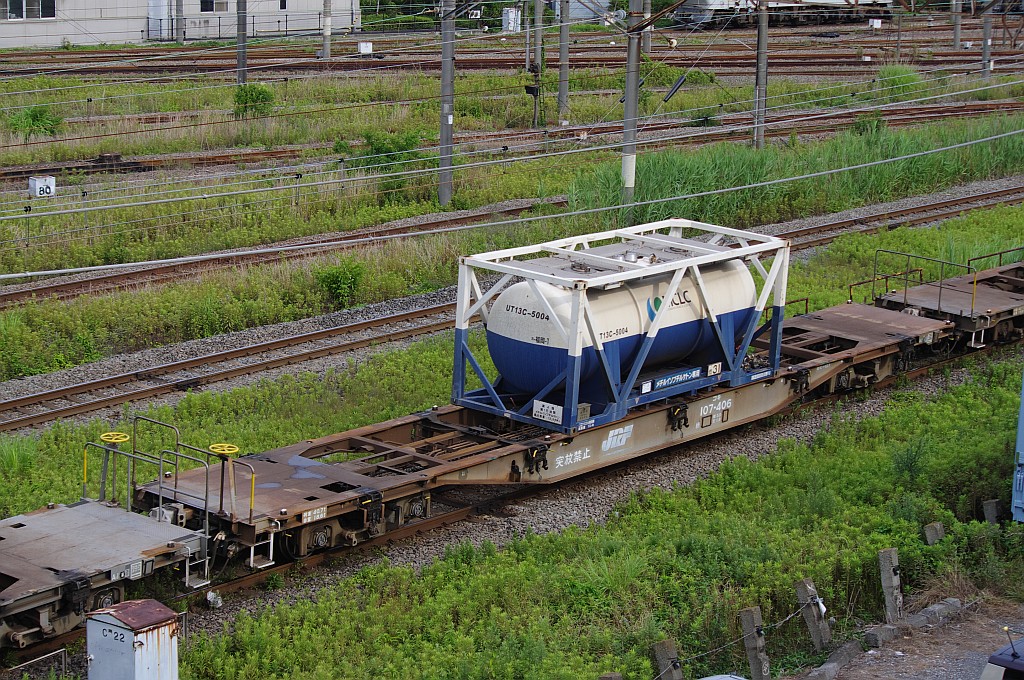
<point x="260" y="363"/>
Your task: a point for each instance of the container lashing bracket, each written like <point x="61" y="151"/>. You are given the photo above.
<point x="373" y="505"/>
<point x="678" y="418"/>
<point x="801" y="381"/>
<point x="76" y="592"/>
<point x="536" y="458"/>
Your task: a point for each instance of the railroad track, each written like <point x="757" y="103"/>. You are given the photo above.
<point x="161" y="274"/>
<point x="114" y="163"/>
<point x="43" y="407"/>
<point x="187" y="374"/>
<point x="803" y="62"/>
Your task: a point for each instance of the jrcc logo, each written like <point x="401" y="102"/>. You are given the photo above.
<point x="652" y="307"/>
<point x="616" y="438"/>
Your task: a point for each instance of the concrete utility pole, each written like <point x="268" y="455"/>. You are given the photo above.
<point x="957" y="15"/>
<point x="631" y="111"/>
<point x="645" y="44"/>
<point x="179" y="21"/>
<point x="526" y="33"/>
<point x="538" y="34"/>
<point x="986" y="45"/>
<point x="761" y="75"/>
<point x="326" y="51"/>
<point x="240" y="37"/>
<point x="563" y="62"/>
<point x="444" y="181"/>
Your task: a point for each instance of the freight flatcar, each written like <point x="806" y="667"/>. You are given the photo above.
<point x="740" y="12"/>
<point x="609" y="346"/>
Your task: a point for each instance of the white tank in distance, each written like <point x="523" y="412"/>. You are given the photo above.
<point x="529" y="352"/>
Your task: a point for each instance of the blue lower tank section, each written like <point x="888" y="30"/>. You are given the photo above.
<point x="527" y="367"/>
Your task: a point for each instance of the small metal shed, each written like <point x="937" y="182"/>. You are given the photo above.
<point x="133" y="640"/>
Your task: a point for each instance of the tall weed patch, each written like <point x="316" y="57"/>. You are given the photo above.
<point x="677" y="173"/>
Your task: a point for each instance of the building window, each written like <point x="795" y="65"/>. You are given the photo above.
<point x="13" y="9"/>
<point x="213" y="5"/>
<point x="284" y="4"/>
<point x="40" y="9"/>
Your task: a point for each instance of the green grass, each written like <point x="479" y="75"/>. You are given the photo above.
<point x="673" y="564"/>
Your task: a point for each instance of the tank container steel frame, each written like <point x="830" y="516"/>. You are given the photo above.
<point x="476" y="292"/>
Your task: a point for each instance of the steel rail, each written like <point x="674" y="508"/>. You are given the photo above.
<point x="185" y="383"/>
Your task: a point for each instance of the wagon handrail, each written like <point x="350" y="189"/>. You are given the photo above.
<point x="942" y="275"/>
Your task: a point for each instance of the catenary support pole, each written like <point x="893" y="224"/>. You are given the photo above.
<point x="326" y="51"/>
<point x="563" y="62"/>
<point x="645" y="44"/>
<point x="444" y="182"/>
<point x="761" y="75"/>
<point x="957" y="16"/>
<point x="631" y="109"/>
<point x="526" y="33"/>
<point x="538" y="34"/>
<point x="240" y="37"/>
<point x="179" y="20"/>
<point x="986" y="45"/>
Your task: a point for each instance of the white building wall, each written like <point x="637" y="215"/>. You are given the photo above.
<point x="92" y="22"/>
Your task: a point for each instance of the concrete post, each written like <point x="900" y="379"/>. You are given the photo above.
<point x="991" y="509"/>
<point x="957" y="15"/>
<point x="892" y="586"/>
<point x="934" y="532"/>
<point x="753" y="640"/>
<point x="240" y="36"/>
<point x="814" y="616"/>
<point x="645" y="43"/>
<point x="179" y="21"/>
<point x="538" y="35"/>
<point x="632" y="108"/>
<point x="761" y="75"/>
<point x="667" y="660"/>
<point x="326" y="50"/>
<point x="563" y="63"/>
<point x="986" y="45"/>
<point x="444" y="178"/>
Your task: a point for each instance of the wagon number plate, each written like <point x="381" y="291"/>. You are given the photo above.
<point x="314" y="515"/>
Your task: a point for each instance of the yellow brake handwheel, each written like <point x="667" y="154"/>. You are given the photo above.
<point x="224" y="449"/>
<point x="114" y="437"/>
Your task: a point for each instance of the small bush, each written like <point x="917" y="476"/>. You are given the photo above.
<point x="341" y="281"/>
<point x="35" y="120"/>
<point x="253" y="100"/>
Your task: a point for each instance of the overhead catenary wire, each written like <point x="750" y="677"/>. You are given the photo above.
<point x="521" y="220"/>
<point x="418" y="172"/>
<point x="228" y="71"/>
<point x="286" y="172"/>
